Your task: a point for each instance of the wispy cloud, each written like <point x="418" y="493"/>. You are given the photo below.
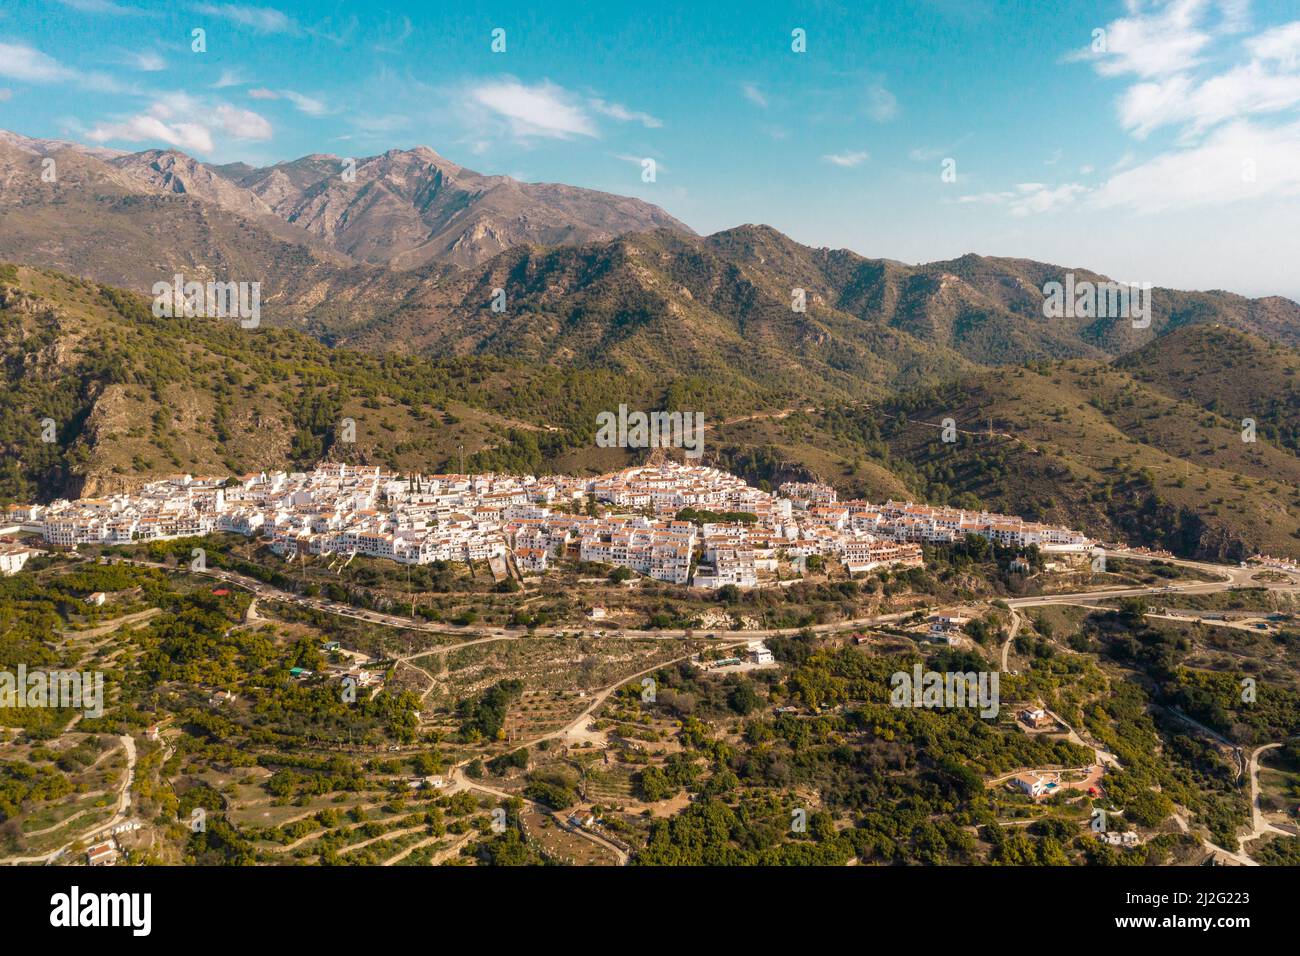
<point x="229" y="78"/>
<point x="1171" y="50"/>
<point x="383" y="123"/>
<point x="1268" y="83"/>
<point x="623" y="114"/>
<point x="306" y="104"/>
<point x="32" y="66"/>
<point x="847" y="159"/>
<point x="259" y="19"/>
<point x="1281" y="45"/>
<point x="928" y="154"/>
<point x="882" y="105"/>
<point x="753" y="94"/>
<point x="395" y="37"/>
<point x="29" y="65"/>
<point x="1029" y="198"/>
<point x="102" y="6"/>
<point x="302" y="102"/>
<point x="1197" y="69"/>
<point x="1167" y="38"/>
<point x="147" y="61"/>
<point x="638" y="161"/>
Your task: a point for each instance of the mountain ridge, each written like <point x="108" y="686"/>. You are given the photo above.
<point x="747" y="310"/>
<point x="403" y="208"/>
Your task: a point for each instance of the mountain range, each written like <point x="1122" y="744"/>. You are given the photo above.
<point x="406" y="251"/>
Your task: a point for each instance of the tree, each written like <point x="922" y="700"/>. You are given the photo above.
<point x="653" y="785"/>
<point x="743" y="699"/>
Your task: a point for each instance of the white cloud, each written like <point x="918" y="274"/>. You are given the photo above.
<point x="1029" y="198"/>
<point x="1280" y="45"/>
<point x="1240" y="161"/>
<point x="1178" y="101"/>
<point x="186" y="123"/>
<point x="1217" y="100"/>
<point x="1032" y="198"/>
<point x="623" y="114"/>
<point x="542" y="110"/>
<point x="986" y="199"/>
<point x="635" y="160"/>
<point x="229" y="78"/>
<point x="384" y="123"/>
<point x="882" y="105"/>
<point x="306" y="104"/>
<point x="242" y="124"/>
<point x="29" y="65"/>
<point x="392" y="44"/>
<point x="754" y="94"/>
<point x="303" y="103"/>
<point x="1167" y="47"/>
<point x="191" y="137"/>
<point x="101" y="6"/>
<point x="32" y="66"/>
<point x="928" y="154"/>
<point x="848" y="159"/>
<point x="260" y="19"/>
<point x="148" y="62"/>
<point x="1168" y="39"/>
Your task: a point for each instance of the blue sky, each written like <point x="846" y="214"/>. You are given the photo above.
<point x="1153" y="141"/>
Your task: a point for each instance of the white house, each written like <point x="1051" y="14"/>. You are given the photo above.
<point x="13" y="557"/>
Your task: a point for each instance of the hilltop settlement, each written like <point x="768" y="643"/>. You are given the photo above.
<point x="678" y="523"/>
